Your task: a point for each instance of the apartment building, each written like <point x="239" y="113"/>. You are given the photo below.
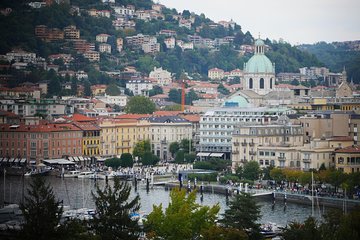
<point x="139" y="87"/>
<point x="217" y="125"/>
<point x="120" y="135"/>
<point x="39" y="142"/>
<point x="167" y="129"/>
<point x="348" y="159"/>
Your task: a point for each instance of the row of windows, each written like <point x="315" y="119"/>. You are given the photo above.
<point x="234" y="119"/>
<point x="261" y="83"/>
<point x="216" y="140"/>
<point x="262" y="153"/>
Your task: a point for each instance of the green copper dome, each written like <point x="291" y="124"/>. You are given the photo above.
<point x="259" y="42"/>
<point x="237" y="101"/>
<point x="259" y="63"/>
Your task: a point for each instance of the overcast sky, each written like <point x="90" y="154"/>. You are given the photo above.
<point x="305" y="21"/>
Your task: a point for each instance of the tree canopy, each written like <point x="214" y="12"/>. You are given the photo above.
<point x="243" y="214"/>
<point x="141" y="148"/>
<point x="182" y="219"/>
<point x="41" y="211"/>
<point x="140" y="105"/>
<point x="112" y="90"/>
<point x="114" y="208"/>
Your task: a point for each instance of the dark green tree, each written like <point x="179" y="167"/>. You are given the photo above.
<point x="141" y="148"/>
<point x="114" y="209"/>
<point x="146" y="64"/>
<point x="298" y="231"/>
<point x="74" y="86"/>
<point x="54" y="88"/>
<point x="115" y="163"/>
<point x="221" y="89"/>
<point x="179" y="158"/>
<point x="221" y="233"/>
<point x="87" y="89"/>
<point x="156" y="90"/>
<point x="243" y="214"/>
<point x="174" y="147"/>
<point x="126" y="160"/>
<point x="112" y="90"/>
<point x="175" y="95"/>
<point x="186" y="144"/>
<point x="190" y="97"/>
<point x="251" y="170"/>
<point x="41" y="211"/>
<point x="183" y="219"/>
<point x="140" y="104"/>
<point x="149" y="159"/>
<point x="190" y="157"/>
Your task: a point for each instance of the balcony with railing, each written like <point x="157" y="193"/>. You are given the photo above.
<point x="123" y="147"/>
<point x="92" y="146"/>
<point x="281" y="158"/>
<point x="235" y="152"/>
<point x="252" y="153"/>
<point x="236" y="143"/>
<point x="251" y="144"/>
<point x="244" y="160"/>
<point x="306" y="160"/>
<point x="244" y="144"/>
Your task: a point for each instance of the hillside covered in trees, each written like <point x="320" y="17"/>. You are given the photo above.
<point x="18" y="32"/>
<point x="336" y="56"/>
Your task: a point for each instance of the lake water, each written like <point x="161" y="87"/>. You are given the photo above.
<point x="76" y="193"/>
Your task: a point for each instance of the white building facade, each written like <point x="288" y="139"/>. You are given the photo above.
<point x="162" y="76"/>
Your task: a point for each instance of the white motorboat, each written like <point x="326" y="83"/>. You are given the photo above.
<point x="71" y="174"/>
<point x="42" y="171"/>
<point x="86" y="175"/>
<point x="105" y="175"/>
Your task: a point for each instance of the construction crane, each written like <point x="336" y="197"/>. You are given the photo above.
<point x="183" y="95"/>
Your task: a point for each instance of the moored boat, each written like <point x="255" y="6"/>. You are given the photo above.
<point x="86" y="175"/>
<point x="71" y="174"/>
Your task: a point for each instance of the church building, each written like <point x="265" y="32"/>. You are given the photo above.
<point x="259" y="72"/>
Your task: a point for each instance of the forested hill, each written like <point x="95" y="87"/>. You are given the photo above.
<point x="18" y="32"/>
<point x="338" y="55"/>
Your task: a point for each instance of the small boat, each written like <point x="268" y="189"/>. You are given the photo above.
<point x="81" y="214"/>
<point x="105" y="175"/>
<point x="42" y="172"/>
<point x="71" y="174"/>
<point x="86" y="175"/>
<point x="270" y="230"/>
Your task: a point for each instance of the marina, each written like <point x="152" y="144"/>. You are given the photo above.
<point x="76" y="194"/>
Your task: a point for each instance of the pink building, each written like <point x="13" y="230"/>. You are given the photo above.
<point x="39" y="142"/>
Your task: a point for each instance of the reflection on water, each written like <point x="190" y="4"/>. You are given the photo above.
<point x="76" y="193"/>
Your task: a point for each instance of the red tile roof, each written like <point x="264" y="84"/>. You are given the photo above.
<point x="81" y="118"/>
<point x="192" y="117"/>
<point x="132" y="116"/>
<point x="46" y="127"/>
<point x="350" y="149"/>
<point x="8" y="114"/>
<point x="166" y="113"/>
<point x="87" y="126"/>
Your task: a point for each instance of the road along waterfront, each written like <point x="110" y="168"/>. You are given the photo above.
<point x="76" y="193"/>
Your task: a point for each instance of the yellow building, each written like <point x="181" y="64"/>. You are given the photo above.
<point x="120" y="135"/>
<point x="348" y="159"/>
<point x="91" y="138"/>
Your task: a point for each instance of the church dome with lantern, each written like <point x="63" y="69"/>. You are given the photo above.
<point x="259" y="71"/>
